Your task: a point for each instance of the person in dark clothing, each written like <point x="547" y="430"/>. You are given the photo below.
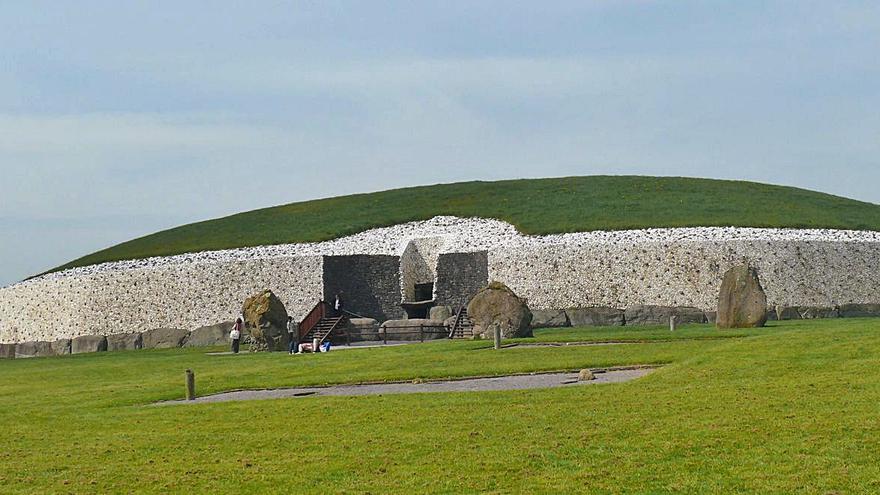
<point x="337" y="304"/>
<point x="292" y="336"/>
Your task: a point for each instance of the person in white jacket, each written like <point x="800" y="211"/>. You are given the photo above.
<point x="235" y="334"/>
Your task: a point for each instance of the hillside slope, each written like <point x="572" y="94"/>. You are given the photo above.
<point x="534" y="206"/>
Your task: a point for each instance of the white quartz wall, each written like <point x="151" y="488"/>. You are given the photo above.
<point x="669" y="267"/>
<point x="686" y="273"/>
<point x="133" y="300"/>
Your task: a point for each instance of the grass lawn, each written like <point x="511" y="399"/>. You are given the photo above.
<point x="534" y="206"/>
<point x="790" y="409"/>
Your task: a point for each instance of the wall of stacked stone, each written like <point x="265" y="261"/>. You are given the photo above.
<point x="459" y="277"/>
<point x="135" y="300"/>
<point x="370" y="284"/>
<point x="418" y="264"/>
<point x="686" y="273"/>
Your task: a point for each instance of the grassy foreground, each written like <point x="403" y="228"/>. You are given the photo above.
<point x="791" y="409"/>
<point x="535" y="206"/>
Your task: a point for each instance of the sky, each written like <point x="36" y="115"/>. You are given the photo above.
<point x="118" y="119"/>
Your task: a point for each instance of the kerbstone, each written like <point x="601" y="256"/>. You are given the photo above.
<point x="164" y="338"/>
<point x="859" y="310"/>
<point x="497" y="306"/>
<point x="595" y="317"/>
<point x="125" y="341"/>
<point x="659" y="315"/>
<point x="33" y="349"/>
<point x="210" y="335"/>
<point x="88" y="343"/>
<point x="549" y="318"/>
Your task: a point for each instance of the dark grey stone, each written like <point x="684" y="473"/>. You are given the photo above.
<point x="409" y="329"/>
<point x="7" y="351"/>
<point x="440" y="312"/>
<point x="61" y="347"/>
<point x="164" y="338"/>
<point x="370" y="284"/>
<point x="88" y="343"/>
<point x="210" y="335"/>
<point x="787" y="313"/>
<point x="817" y="312"/>
<point x="125" y="342"/>
<point x="33" y="349"/>
<point x="595" y="317"/>
<point x="460" y="276"/>
<point x="549" y="318"/>
<point x="659" y="315"/>
<point x="859" y="310"/>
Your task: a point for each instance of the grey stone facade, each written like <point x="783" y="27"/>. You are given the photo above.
<point x="459" y="277"/>
<point x="370" y="284"/>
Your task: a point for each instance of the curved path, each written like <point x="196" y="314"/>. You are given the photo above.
<point x="509" y="382"/>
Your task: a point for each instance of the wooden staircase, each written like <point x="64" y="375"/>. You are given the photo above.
<point x="463" y="328"/>
<point x="319" y="324"/>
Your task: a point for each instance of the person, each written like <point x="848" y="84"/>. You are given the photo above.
<point x="337" y="304"/>
<point x="292" y="336"/>
<point x="235" y="334"/>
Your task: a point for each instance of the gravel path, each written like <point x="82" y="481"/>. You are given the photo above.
<point x="510" y="382"/>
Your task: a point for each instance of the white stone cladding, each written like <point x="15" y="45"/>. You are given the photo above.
<point x="670" y="267"/>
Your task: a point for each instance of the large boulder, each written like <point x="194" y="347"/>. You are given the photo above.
<point x="88" y="343"/>
<point x="7" y="351"/>
<point x="742" y="302"/>
<point x="595" y="317"/>
<point x="265" y="319"/>
<point x="859" y="310"/>
<point x="497" y="306"/>
<point x="164" y="338"/>
<point x="659" y="315"/>
<point x="413" y="329"/>
<point x="210" y="335"/>
<point x="125" y="342"/>
<point x="549" y="318"/>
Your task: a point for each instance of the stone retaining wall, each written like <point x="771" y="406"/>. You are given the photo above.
<point x="659" y="267"/>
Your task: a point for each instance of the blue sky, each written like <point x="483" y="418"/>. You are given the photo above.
<point x="118" y="119"/>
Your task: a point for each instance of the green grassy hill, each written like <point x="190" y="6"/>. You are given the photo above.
<point x="535" y="206"/>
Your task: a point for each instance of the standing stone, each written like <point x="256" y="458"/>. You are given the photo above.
<point x="595" y="317"/>
<point x="742" y="302"/>
<point x="497" y="305"/>
<point x="265" y="318"/>
<point x="88" y="343"/>
<point x="549" y="318"/>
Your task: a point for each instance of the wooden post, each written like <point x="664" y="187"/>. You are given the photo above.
<point x="421" y="333"/>
<point x="672" y="323"/>
<point x="384" y="336"/>
<point x="497" y="332"/>
<point x="190" y="385"/>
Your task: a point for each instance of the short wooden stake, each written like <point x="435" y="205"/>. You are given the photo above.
<point x="190" y="385"/>
<point x="673" y="320"/>
<point x="497" y="332"/>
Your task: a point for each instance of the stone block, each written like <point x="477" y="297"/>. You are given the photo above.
<point x="7" y="351"/>
<point x="164" y="338"/>
<point x="817" y="312"/>
<point x="61" y="347"/>
<point x="210" y="335"/>
<point x="859" y="310"/>
<point x="33" y="349"/>
<point x="549" y="318"/>
<point x="125" y="342"/>
<point x="88" y="343"/>
<point x="440" y="312"/>
<point x="787" y="313"/>
<point x="360" y="330"/>
<point x="659" y="315"/>
<point x="595" y="317"/>
<point x="711" y="316"/>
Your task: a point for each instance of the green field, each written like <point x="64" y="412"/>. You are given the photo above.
<point x="789" y="409"/>
<point x="536" y="206"/>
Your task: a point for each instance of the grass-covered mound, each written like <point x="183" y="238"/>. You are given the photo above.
<point x="534" y="206"/>
<point x="787" y="409"/>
